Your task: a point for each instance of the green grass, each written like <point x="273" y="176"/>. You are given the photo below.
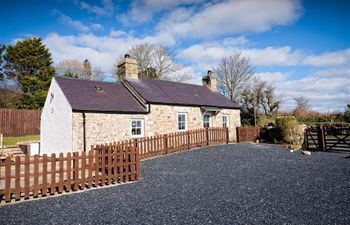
<point x="13" y="140"/>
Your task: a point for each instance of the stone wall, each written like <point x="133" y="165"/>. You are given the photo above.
<point x="105" y="127"/>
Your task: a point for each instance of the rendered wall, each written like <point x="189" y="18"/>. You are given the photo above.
<point x="56" y="122"/>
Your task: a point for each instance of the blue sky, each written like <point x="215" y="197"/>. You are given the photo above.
<point x="302" y="46"/>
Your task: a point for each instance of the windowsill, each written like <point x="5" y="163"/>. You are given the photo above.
<point x="181" y="130"/>
<point x="137" y="136"/>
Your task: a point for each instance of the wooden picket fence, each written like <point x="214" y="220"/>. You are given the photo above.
<point x="39" y="176"/>
<point x="158" y="145"/>
<point x="106" y="164"/>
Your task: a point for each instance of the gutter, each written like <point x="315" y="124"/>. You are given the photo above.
<point x="84" y="130"/>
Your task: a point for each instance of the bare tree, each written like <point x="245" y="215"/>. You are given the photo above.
<point x="156" y="62"/>
<point x="259" y="98"/>
<point x="233" y="74"/>
<point x="302" y="107"/>
<point x="271" y="103"/>
<point x="76" y="69"/>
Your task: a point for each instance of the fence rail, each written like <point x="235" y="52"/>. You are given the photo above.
<point x="19" y="122"/>
<point x="158" y="145"/>
<point x="104" y="164"/>
<point x="327" y="138"/>
<point x="42" y="175"/>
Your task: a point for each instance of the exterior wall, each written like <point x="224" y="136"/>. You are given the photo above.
<point x="56" y="122"/>
<point x="102" y="128"/>
<point x="106" y="128"/>
<point x="163" y="119"/>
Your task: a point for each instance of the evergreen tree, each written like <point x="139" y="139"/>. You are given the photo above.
<point x="2" y="52"/>
<point x="29" y="64"/>
<point x="70" y="74"/>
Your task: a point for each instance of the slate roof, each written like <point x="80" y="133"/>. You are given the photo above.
<point x="86" y="95"/>
<point x="167" y="92"/>
<point x="113" y="97"/>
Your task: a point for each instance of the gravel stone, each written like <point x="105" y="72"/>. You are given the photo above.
<point x="227" y="184"/>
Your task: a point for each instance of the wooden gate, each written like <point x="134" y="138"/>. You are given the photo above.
<point x="327" y="138"/>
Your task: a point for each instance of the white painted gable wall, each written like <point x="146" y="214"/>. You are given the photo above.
<point x="56" y="122"/>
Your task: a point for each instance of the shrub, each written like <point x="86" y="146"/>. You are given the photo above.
<point x="265" y="120"/>
<point x="289" y="130"/>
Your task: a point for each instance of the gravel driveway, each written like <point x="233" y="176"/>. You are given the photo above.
<point x="230" y="184"/>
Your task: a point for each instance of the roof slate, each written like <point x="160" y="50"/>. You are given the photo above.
<point x="167" y="92"/>
<point x="114" y="97"/>
<point x="82" y="95"/>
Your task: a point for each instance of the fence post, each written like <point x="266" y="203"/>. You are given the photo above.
<point x="165" y="137"/>
<point x="320" y="138"/>
<point x="207" y="134"/>
<point x="306" y="142"/>
<point x="76" y="170"/>
<point x="188" y="140"/>
<point x="238" y="131"/>
<point x="227" y="135"/>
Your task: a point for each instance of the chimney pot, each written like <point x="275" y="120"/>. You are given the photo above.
<point x="126" y="56"/>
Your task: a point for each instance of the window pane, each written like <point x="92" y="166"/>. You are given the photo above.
<point x="136" y="127"/>
<point x="206" y="121"/>
<point x="181" y="121"/>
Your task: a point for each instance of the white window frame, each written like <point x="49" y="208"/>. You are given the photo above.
<point x="206" y="114"/>
<point x="180" y="114"/>
<point x="142" y="127"/>
<point x="227" y="120"/>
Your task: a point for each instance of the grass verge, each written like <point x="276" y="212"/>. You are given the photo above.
<point x="14" y="140"/>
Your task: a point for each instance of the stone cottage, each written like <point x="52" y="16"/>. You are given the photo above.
<point x="79" y="113"/>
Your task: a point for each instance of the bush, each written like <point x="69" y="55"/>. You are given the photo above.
<point x="289" y="130"/>
<point x="265" y="120"/>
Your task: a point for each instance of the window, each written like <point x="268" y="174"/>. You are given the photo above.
<point x="137" y="127"/>
<point x="182" y="121"/>
<point x="206" y="120"/>
<point x="225" y="121"/>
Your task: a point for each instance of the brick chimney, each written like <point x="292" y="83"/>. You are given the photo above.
<point x="210" y="81"/>
<point x="128" y="68"/>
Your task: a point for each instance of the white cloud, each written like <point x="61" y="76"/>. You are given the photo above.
<point x="102" y="51"/>
<point x="282" y="56"/>
<point x="237" y="16"/>
<point x="325" y="94"/>
<point x="144" y="10"/>
<point x="274" y="77"/>
<point x="69" y="21"/>
<point x="327" y="89"/>
<point x="96" y="26"/>
<point x="336" y="58"/>
<point x="213" y="52"/>
<point x="106" y="9"/>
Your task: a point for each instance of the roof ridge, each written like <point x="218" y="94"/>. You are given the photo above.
<point x="80" y="79"/>
<point x="168" y="81"/>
